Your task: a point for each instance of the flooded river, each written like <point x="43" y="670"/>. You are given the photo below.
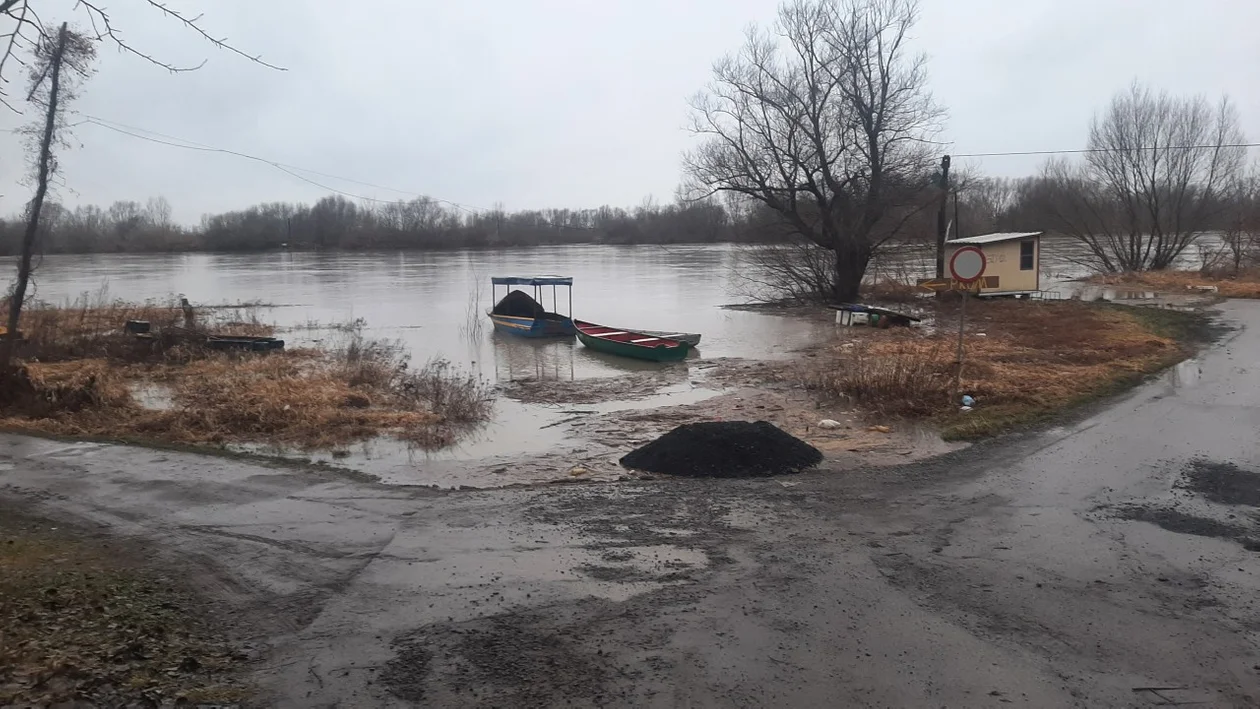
<point x="435" y="303"/>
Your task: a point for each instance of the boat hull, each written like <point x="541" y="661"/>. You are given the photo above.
<point x="533" y="327"/>
<point x="620" y="343"/>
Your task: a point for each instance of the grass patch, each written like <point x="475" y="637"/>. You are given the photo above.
<point x="83" y="376"/>
<point x="1244" y="284"/>
<point x="1034" y="361"/>
<point x="82" y="620"/>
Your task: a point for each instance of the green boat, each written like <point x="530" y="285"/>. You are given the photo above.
<point x="624" y="343"/>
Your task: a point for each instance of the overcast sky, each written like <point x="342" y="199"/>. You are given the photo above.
<point x="574" y="103"/>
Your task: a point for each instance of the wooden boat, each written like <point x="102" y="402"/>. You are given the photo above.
<point x="625" y="343"/>
<point x="519" y="313"/>
<point x="691" y="338"/>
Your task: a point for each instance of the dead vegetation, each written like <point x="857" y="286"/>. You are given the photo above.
<point x="1033" y="359"/>
<point x="1229" y="284"/>
<point x="83" y="375"/>
<point x="83" y="621"/>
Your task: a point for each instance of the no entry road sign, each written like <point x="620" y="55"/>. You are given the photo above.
<point x="967" y="264"/>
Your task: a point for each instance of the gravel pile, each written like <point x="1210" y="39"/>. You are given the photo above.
<point x="724" y="449"/>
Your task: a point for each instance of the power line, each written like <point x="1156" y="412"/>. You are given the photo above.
<point x="175" y="142"/>
<point x="1103" y="150"/>
<point x="293" y="170"/>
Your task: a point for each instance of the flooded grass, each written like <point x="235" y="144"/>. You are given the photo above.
<point x="1244" y="284"/>
<point x="1033" y="360"/>
<point x="82" y="621"/>
<point x="84" y="376"/>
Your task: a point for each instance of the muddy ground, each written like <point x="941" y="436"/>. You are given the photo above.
<point x="1013" y="572"/>
<point x="739" y="390"/>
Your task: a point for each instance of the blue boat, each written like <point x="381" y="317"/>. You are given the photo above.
<point x="522" y="313"/>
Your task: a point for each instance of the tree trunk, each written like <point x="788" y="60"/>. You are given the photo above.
<point x="37" y="205"/>
<point x="851" y="262"/>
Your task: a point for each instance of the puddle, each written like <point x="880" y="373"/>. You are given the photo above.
<point x="153" y="397"/>
<point x="492" y="455"/>
<point x="544" y="557"/>
<point x="1185" y="374"/>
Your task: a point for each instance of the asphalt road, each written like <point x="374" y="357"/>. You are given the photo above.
<point x="1101" y="564"/>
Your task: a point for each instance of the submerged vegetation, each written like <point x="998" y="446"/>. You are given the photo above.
<point x="82" y="374"/>
<point x="1033" y="360"/>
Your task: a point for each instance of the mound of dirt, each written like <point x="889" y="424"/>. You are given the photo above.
<point x="724" y="449"/>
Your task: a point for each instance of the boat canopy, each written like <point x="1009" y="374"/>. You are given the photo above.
<point x="532" y="280"/>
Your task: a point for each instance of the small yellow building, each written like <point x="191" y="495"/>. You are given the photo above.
<point x="1013" y="261"/>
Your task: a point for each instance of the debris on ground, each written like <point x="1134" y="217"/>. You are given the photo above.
<point x="85" y="623"/>
<point x="879" y="429"/>
<point x="1222" y="482"/>
<point x="726" y="449"/>
<point x="830" y="424"/>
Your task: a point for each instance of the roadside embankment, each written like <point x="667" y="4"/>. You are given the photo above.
<point x="1024" y="361"/>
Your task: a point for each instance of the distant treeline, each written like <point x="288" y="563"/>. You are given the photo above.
<point x="335" y="222"/>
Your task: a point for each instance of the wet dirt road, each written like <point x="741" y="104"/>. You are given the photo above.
<point x="1100" y="564"/>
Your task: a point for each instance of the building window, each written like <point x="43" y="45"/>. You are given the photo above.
<point x="1027" y="255"/>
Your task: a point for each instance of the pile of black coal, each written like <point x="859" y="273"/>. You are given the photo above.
<point x="724" y="449"/>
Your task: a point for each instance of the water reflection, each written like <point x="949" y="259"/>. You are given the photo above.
<point x="517" y="358"/>
<point x="1186" y="374"/>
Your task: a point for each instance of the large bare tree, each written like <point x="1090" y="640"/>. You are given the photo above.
<point x="824" y="118"/>
<point x="1156" y="178"/>
<point x="60" y="60"/>
<point x="22" y="30"/>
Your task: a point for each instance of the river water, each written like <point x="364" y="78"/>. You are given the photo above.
<point x="435" y="302"/>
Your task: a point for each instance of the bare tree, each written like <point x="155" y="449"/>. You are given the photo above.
<point x="1241" y="235"/>
<point x="22" y="31"/>
<point x="823" y="118"/>
<point x="60" y="60"/>
<point x="983" y="203"/>
<point x="1155" y="180"/>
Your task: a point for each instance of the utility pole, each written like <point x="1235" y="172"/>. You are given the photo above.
<point x="957" y="222"/>
<point x="941" y="225"/>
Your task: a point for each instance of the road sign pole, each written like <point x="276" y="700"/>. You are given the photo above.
<point x="966" y="265"/>
<point x="962" y="324"/>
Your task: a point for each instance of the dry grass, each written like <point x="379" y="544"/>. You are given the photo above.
<point x="92" y="327"/>
<point x="1244" y="284"/>
<point x="83" y="621"/>
<point x="312" y="399"/>
<point x="1035" y="359"/>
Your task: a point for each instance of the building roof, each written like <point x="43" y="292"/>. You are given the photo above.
<point x="532" y="280"/>
<point x="1000" y="236"/>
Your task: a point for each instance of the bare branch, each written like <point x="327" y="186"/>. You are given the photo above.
<point x="28" y="31"/>
<point x="220" y="42"/>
